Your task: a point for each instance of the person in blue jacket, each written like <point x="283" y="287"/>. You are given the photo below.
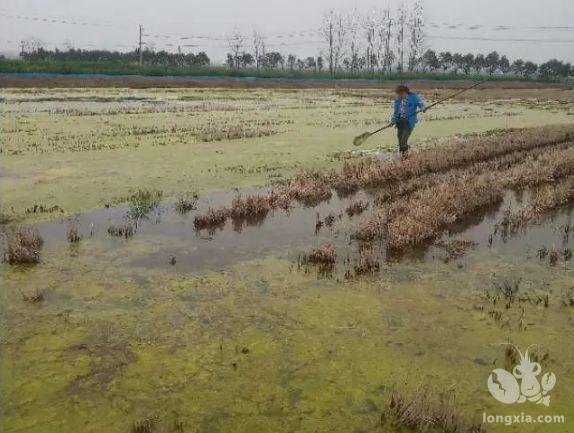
<point x="405" y="117"/>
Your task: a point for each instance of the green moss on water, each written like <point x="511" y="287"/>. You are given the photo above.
<point x="82" y="148"/>
<point x="261" y="347"/>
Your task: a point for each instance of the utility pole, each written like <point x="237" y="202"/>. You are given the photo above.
<point x="141" y="44"/>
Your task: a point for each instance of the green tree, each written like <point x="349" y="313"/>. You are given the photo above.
<point x="457" y="62"/>
<point x="479" y="63"/>
<point x="492" y="62"/>
<point x="504" y="65"/>
<point x="468" y="63"/>
<point x="554" y="69"/>
<point x="517" y="67"/>
<point x="445" y="59"/>
<point x="274" y="60"/>
<point x="430" y="60"/>
<point x="530" y="68"/>
<point x="291" y="61"/>
<point x="246" y="60"/>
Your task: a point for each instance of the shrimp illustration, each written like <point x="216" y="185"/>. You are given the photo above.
<point x="506" y="388"/>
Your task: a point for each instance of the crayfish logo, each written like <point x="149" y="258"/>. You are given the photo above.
<point x="522" y="384"/>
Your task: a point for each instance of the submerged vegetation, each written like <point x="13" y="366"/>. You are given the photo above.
<point x="121" y="230"/>
<point x="426" y="412"/>
<point x="456" y="248"/>
<point x="186" y="203"/>
<point x="74" y="235"/>
<point x="142" y="202"/>
<point x="321" y="258"/>
<point x="324" y="255"/>
<point x="249" y="207"/>
<point x="543" y="199"/>
<point x="214" y="217"/>
<point x="22" y="245"/>
<point x="357" y="208"/>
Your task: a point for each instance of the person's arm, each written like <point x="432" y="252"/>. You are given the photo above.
<point x="421" y="104"/>
<point x="395" y="117"/>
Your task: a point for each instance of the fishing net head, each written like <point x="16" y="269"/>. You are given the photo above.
<point x="361" y="138"/>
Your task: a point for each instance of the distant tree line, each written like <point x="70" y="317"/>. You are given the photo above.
<point x="430" y="61"/>
<point x="150" y="57"/>
<point x="384" y="41"/>
<point x="492" y="63"/>
<point x="443" y="62"/>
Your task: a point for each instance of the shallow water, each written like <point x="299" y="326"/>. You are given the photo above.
<point x="235" y="338"/>
<point x="164" y="234"/>
<point x="169" y="233"/>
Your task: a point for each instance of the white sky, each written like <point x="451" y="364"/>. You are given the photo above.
<point x="119" y="21"/>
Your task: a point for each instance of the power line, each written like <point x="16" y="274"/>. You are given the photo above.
<point x="432" y="24"/>
<point x="312" y="33"/>
<point x="463" y="26"/>
<point x="55" y="20"/>
<point x="204" y="39"/>
<point x="479" y="38"/>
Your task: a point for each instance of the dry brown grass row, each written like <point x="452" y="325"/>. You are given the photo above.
<point x="412" y="221"/>
<point x="415" y="218"/>
<point x="22" y="246"/>
<point x="308" y="189"/>
<point x="499" y="164"/>
<point x="374" y="173"/>
<point x="430" y="190"/>
<point x="548" y="197"/>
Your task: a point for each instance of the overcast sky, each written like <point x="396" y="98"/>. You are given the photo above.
<point x="113" y="24"/>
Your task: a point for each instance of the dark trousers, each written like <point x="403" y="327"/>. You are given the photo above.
<point x="404" y="131"/>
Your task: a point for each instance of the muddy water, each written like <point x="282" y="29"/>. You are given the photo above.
<point x="547" y="232"/>
<point x="170" y="239"/>
<point x="171" y="234"/>
<point x="256" y="345"/>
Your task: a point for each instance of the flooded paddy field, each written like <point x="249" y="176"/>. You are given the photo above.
<point x="79" y="149"/>
<point x="308" y="287"/>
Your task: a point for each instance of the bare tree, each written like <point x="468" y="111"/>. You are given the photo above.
<point x="334" y="31"/>
<point x="401" y="27"/>
<point x="291" y="61"/>
<point x="30" y="45"/>
<point x="352" y="25"/>
<point x="417" y="34"/>
<point x="341" y="33"/>
<point x="386" y="34"/>
<point x="68" y="45"/>
<point x="258" y="49"/>
<point x="369" y="25"/>
<point x="236" y="43"/>
<point x="328" y="32"/>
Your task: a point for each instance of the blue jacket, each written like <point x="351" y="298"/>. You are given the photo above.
<point x="413" y="103"/>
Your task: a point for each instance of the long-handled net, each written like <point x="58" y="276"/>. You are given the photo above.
<point x="359" y="140"/>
